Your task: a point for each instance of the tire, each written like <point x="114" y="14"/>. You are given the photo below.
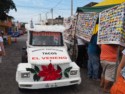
<point x="21" y="89"/>
<point x="73" y="52"/>
<point x="24" y="56"/>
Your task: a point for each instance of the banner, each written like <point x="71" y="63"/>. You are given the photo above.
<point x="112" y="26"/>
<point x="85" y="25"/>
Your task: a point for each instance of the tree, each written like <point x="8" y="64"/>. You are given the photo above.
<point x="5" y="7"/>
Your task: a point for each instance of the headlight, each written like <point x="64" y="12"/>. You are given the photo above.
<point x="73" y="72"/>
<point x="25" y="75"/>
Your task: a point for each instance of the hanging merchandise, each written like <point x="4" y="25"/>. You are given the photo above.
<point x="85" y="25"/>
<point x="112" y="26"/>
<point x="70" y="29"/>
<point x="67" y="22"/>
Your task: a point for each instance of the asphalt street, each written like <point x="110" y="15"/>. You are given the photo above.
<point x="8" y="84"/>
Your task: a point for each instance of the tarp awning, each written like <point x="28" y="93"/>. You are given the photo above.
<point x="109" y="2"/>
<point x="94" y="9"/>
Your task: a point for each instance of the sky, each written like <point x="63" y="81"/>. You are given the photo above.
<point x="41" y="9"/>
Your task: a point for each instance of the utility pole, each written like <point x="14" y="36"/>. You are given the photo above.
<point x="46" y="16"/>
<point x="40" y="17"/>
<point x="71" y="7"/>
<point x="52" y="15"/>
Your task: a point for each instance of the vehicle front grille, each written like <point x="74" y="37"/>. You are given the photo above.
<point x="50" y="72"/>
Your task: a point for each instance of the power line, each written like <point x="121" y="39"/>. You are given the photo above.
<point x="36" y="7"/>
<point x="33" y="7"/>
<point x="58" y="3"/>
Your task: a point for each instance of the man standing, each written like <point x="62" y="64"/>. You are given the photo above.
<point x="94" y="58"/>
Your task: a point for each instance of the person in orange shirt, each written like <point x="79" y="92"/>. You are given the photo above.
<point x="108" y="62"/>
<point x="119" y="85"/>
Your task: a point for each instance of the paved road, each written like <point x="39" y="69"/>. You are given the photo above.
<point x="8" y="84"/>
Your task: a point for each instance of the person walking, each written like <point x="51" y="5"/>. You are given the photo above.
<point x="108" y="62"/>
<point x="2" y="49"/>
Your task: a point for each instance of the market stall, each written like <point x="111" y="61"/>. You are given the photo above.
<point x="111" y="24"/>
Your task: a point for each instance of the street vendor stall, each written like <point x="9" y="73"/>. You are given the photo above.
<point x="111" y="30"/>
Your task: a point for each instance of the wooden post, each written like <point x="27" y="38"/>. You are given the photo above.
<point x="117" y="61"/>
<point x="75" y="41"/>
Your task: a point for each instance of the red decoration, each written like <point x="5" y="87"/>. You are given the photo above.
<point x="50" y="73"/>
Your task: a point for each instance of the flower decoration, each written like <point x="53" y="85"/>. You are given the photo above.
<point x="49" y="73"/>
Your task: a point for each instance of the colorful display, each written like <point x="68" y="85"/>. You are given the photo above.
<point x="85" y="25"/>
<point x="112" y="26"/>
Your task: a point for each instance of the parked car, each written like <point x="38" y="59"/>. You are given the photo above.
<point x="21" y="32"/>
<point x="15" y="34"/>
<point x="45" y="60"/>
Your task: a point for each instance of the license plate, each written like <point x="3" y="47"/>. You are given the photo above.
<point x="51" y="85"/>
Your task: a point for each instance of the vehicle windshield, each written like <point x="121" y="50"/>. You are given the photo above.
<point x="46" y="39"/>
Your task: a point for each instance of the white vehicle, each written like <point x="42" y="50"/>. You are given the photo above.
<point x="45" y="61"/>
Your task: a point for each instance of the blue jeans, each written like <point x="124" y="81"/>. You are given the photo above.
<point x="93" y="66"/>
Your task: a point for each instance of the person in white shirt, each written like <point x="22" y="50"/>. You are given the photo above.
<point x="82" y="53"/>
<point x="2" y="50"/>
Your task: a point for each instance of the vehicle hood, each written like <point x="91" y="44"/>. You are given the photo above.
<point x="47" y="55"/>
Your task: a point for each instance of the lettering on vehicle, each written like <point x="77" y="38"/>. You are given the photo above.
<point x="49" y="53"/>
<point x="35" y="58"/>
<point x="49" y="58"/>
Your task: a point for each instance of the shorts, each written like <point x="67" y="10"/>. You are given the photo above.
<point x="108" y="70"/>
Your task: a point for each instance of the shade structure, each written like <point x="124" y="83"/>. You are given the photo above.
<point x="105" y="4"/>
<point x="109" y="2"/>
<point x="94" y="9"/>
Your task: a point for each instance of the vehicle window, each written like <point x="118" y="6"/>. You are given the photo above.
<point x="46" y="39"/>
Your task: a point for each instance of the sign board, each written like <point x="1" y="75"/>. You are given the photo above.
<point x="46" y="55"/>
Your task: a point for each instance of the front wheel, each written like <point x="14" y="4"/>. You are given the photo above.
<point x="21" y="89"/>
<point x="73" y="51"/>
<point x="24" y="56"/>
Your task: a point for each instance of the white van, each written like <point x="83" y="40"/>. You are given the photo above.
<point x="45" y="61"/>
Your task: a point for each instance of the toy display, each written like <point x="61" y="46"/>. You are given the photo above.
<point x="85" y="25"/>
<point x="112" y="26"/>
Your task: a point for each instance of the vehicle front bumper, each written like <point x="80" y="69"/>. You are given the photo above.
<point x="49" y="84"/>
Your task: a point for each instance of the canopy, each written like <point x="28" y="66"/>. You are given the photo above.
<point x="94" y="9"/>
<point x="109" y="2"/>
<point x="100" y="6"/>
